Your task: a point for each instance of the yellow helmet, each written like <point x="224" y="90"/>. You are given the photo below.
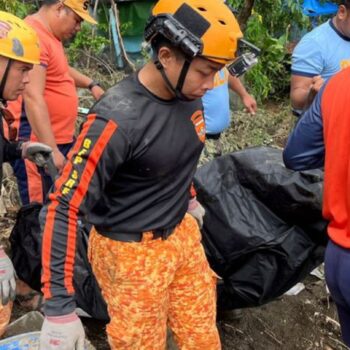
<point x="18" y="41"/>
<point x="208" y="25"/>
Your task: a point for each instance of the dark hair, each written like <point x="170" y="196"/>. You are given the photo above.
<point x="159" y="41"/>
<point x="346" y="3"/>
<point x="48" y="2"/>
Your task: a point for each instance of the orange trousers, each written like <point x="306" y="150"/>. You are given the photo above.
<point x="5" y="316"/>
<point x="152" y="283"/>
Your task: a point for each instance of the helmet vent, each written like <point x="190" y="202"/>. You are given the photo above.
<point x="222" y="22"/>
<point x="202" y="9"/>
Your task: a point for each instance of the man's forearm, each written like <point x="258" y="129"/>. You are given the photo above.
<point x="236" y="85"/>
<point x="299" y="98"/>
<point x="39" y="119"/>
<point x="80" y="79"/>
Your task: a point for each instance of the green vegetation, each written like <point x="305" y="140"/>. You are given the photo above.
<point x="269" y="127"/>
<point x="87" y="43"/>
<point x="19" y="8"/>
<point x="271" y="25"/>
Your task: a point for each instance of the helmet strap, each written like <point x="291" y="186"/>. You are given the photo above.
<point x="178" y="89"/>
<point x="3" y="82"/>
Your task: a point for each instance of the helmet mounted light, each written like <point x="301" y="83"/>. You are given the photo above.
<point x="175" y="32"/>
<point x="247" y="57"/>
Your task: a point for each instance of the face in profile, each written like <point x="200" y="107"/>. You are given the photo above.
<point x="200" y="77"/>
<point x="17" y="79"/>
<point x="69" y="24"/>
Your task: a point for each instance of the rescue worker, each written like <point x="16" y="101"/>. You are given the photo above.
<point x="216" y="103"/>
<point x="129" y="174"/>
<point x="49" y="108"/>
<point x="19" y="51"/>
<point x="318" y="56"/>
<point x="322" y="139"/>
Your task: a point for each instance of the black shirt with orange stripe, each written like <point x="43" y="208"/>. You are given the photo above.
<point x="130" y="171"/>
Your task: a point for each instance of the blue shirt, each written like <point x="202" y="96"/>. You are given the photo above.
<point x="324" y="51"/>
<point x="216" y="103"/>
<point x="305" y="146"/>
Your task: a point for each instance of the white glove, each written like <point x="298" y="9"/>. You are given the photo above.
<point x="7" y="278"/>
<point x="36" y="152"/>
<point x="62" y="333"/>
<point x="196" y="210"/>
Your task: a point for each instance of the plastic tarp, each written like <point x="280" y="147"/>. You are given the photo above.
<point x="25" y="242"/>
<point x="313" y="8"/>
<point x="263" y="229"/>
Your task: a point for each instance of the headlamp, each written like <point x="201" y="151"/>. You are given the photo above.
<point x="175" y="32"/>
<point x="247" y="58"/>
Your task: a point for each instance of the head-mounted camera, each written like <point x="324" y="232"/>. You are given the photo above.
<point x="175" y="32"/>
<point x="247" y="58"/>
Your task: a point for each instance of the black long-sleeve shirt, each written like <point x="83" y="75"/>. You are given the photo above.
<point x="130" y="171"/>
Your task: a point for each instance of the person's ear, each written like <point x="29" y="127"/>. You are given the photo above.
<point x="166" y="56"/>
<point x="59" y="9"/>
<point x="342" y="12"/>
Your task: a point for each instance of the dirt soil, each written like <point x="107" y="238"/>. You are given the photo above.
<point x="307" y="321"/>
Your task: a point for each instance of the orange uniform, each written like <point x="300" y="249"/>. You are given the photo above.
<point x="62" y="102"/>
<point x="150" y="283"/>
<point x="60" y="91"/>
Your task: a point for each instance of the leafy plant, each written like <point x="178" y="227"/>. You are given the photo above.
<point x="88" y="42"/>
<point x="271" y="26"/>
<point x="18" y="8"/>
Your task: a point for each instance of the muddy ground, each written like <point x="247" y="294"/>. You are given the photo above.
<point x="307" y="321"/>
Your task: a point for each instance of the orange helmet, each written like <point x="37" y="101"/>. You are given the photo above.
<point x="18" y="41"/>
<point x="198" y="27"/>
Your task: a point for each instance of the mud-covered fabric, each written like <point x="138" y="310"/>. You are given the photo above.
<point x="149" y="283"/>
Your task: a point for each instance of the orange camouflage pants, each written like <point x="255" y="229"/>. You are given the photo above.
<point x="152" y="283"/>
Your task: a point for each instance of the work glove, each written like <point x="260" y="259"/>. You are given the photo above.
<point x="7" y="278"/>
<point x="196" y="210"/>
<point x="62" y="333"/>
<point x="36" y="152"/>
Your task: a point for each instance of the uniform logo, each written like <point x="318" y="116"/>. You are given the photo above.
<point x="86" y="5"/>
<point x="4" y="29"/>
<point x="17" y="48"/>
<point x="344" y="64"/>
<point x="199" y="125"/>
<point x="77" y="159"/>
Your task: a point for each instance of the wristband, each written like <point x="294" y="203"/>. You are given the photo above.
<point x="93" y="84"/>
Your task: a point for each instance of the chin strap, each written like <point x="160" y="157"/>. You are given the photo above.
<point x="178" y="89"/>
<point x="3" y="82"/>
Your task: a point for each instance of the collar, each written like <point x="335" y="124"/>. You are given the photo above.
<point x="346" y="38"/>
